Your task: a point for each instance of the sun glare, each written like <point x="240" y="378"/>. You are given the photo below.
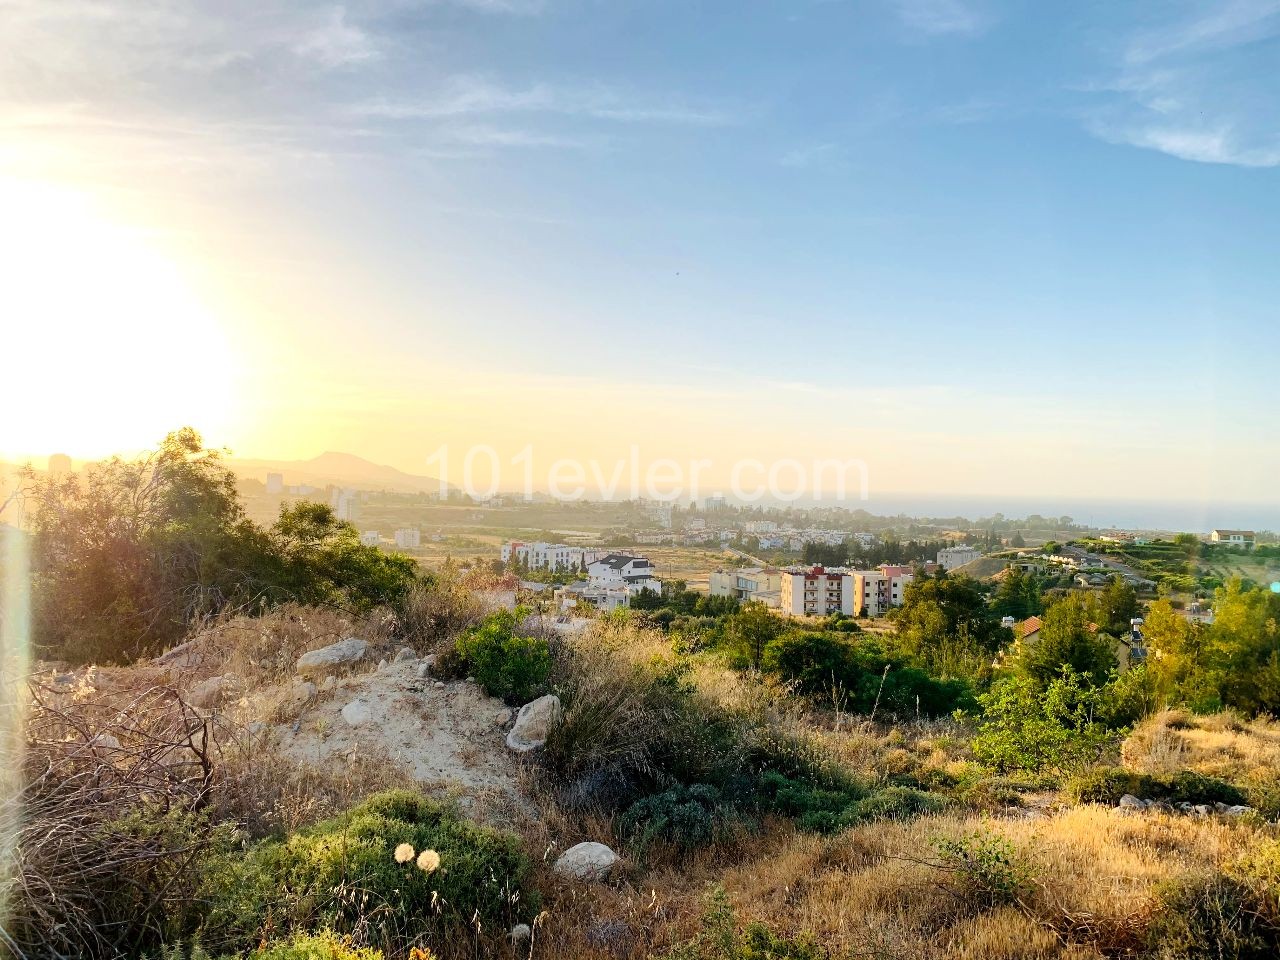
<point x="103" y="340"/>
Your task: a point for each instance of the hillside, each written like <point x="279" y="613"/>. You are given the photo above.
<point x="339" y="469"/>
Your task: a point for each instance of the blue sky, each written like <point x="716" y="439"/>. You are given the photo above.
<point x="989" y="231"/>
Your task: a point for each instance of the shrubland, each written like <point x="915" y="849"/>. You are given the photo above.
<point x="775" y="789"/>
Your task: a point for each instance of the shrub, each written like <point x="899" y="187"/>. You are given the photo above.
<point x="315" y="946"/>
<point x="1108" y="784"/>
<point x="986" y="867"/>
<point x="686" y="817"/>
<point x="1212" y="916"/>
<point x="719" y="939"/>
<point x="1024" y="728"/>
<point x="342" y="874"/>
<point x="894" y="803"/>
<point x="504" y="663"/>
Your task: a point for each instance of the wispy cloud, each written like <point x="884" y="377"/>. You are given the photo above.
<point x="941" y="17"/>
<point x="468" y="95"/>
<point x="337" y="43"/>
<point x="812" y="155"/>
<point x="1203" y="88"/>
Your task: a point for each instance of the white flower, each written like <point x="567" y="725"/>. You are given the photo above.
<point x="428" y="861"/>
<point x="404" y="853"/>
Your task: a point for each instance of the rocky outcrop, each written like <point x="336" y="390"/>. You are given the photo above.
<point x="336" y="656"/>
<point x="533" y="723"/>
<point x="587" y="861"/>
<point x="357" y="713"/>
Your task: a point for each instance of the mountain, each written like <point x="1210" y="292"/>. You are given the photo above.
<point x="340" y="469"/>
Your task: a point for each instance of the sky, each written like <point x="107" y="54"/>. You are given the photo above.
<point x="987" y="248"/>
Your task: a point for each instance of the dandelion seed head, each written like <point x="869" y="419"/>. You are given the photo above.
<point x="428" y="861"/>
<point x="404" y="853"/>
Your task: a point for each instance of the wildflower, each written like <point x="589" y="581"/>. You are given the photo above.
<point x="428" y="861"/>
<point x="404" y="853"/>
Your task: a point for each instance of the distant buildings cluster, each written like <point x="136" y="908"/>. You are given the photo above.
<point x="818" y="591"/>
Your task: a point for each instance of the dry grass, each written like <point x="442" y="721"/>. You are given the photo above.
<point x="1219" y="745"/>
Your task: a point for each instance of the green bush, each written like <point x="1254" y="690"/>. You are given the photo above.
<point x="869" y="678"/>
<point x="1026" y="728"/>
<point x="1108" y="784"/>
<point x="314" y="946"/>
<point x="342" y="874"/>
<point x="1211" y="917"/>
<point x="826" y="808"/>
<point x="504" y="663"/>
<point x="686" y="817"/>
<point x="719" y="939"/>
<point x="986" y="867"/>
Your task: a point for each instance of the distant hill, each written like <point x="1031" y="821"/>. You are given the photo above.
<point x="340" y="469"/>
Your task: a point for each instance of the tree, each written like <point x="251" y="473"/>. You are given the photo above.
<point x="1029" y="727"/>
<point x="1118" y="606"/>
<point x="1018" y="596"/>
<point x="1068" y="638"/>
<point x="750" y="630"/>
<point x="1017" y="540"/>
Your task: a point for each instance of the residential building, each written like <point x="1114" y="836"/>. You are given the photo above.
<point x="545" y="556"/>
<point x="717" y="502"/>
<point x="1234" y="538"/>
<point x="748" y="583"/>
<point x="815" y="592"/>
<point x="275" y="483"/>
<point x="370" y="538"/>
<point x="951" y="557"/>
<point x="636" y="573"/>
<point x="875" y="591"/>
<point x="408" y="538"/>
<point x="59" y="465"/>
<point x="760" y="526"/>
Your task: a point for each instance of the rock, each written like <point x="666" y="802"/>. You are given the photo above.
<point x="357" y="713"/>
<point x="211" y="692"/>
<point x="1201" y="809"/>
<point x="1162" y="807"/>
<point x="104" y="741"/>
<point x="328" y="683"/>
<point x="382" y="664"/>
<point x="1130" y="802"/>
<point x="439" y="684"/>
<point x="1220" y="807"/>
<point x="533" y="722"/>
<point x="471" y="680"/>
<point x="1238" y="810"/>
<point x="405" y="653"/>
<point x="586" y="861"/>
<point x="422" y="670"/>
<point x="520" y="933"/>
<point x="1184" y="806"/>
<point x="333" y="657"/>
<point x="301" y="692"/>
<point x="502" y="717"/>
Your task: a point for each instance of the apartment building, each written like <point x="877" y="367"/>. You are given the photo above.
<point x="546" y="556"/>
<point x="408" y="538"/>
<point x="816" y="592"/>
<point x="951" y="557"/>
<point x="875" y="591"/>
<point x="747" y="583"/>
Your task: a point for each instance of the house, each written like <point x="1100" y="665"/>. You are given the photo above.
<point x="748" y="583"/>
<point x="1234" y="538"/>
<point x="370" y="538"/>
<point x="951" y="557"/>
<point x="620" y="569"/>
<point x="1128" y="649"/>
<point x="602" y="597"/>
<point x="816" y="592"/>
<point x="408" y="538"/>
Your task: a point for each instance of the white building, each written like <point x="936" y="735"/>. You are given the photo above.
<point x="748" y="583"/>
<point x="1234" y="538"/>
<point x="717" y="502"/>
<point x="275" y="483"/>
<point x="760" y="526"/>
<point x="547" y="556"/>
<point x="344" y="503"/>
<point x="408" y="538"/>
<point x="951" y="557"/>
<point x="816" y="592"/>
<point x="370" y="538"/>
<point x="620" y="568"/>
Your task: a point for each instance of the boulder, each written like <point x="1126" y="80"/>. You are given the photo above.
<point x="587" y="861"/>
<point x="333" y="657"/>
<point x="357" y="713"/>
<point x="405" y="653"/>
<point x="1201" y="809"/>
<point x="533" y="723"/>
<point x="300" y="693"/>
<point x="211" y="692"/>
<point x="1130" y="802"/>
<point x="1237" y="810"/>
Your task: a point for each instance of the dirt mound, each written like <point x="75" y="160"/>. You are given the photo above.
<point x="450" y="738"/>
